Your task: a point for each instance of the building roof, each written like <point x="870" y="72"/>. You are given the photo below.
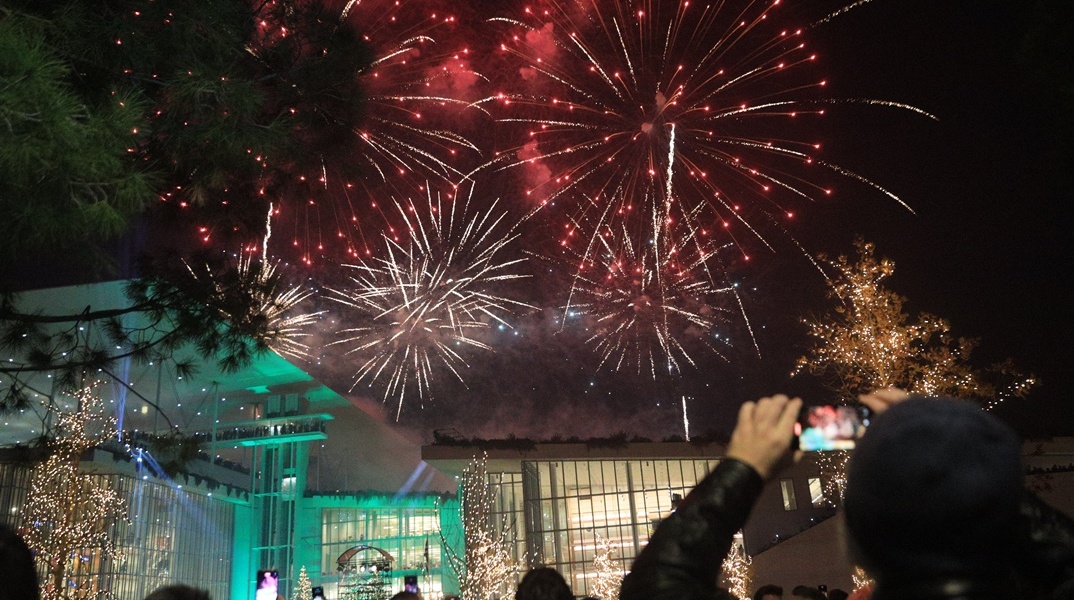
<point x="362" y="452"/>
<point x="506" y="455"/>
<point x="133" y="388"/>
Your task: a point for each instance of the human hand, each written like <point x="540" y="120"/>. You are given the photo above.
<point x="763" y="435"/>
<point x="881" y="400"/>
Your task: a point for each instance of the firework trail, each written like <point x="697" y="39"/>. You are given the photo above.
<point x="841" y="11"/>
<point x="385" y="127"/>
<point x="693" y="105"/>
<point x="424" y="303"/>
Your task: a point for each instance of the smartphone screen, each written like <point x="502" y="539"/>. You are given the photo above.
<point x="410" y="583"/>
<point x="317" y="593"/>
<point x="268" y="582"/>
<point x="826" y="428"/>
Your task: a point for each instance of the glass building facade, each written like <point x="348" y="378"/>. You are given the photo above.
<point x="368" y="545"/>
<point x="405" y="533"/>
<point x="558" y="511"/>
<point x="182" y="535"/>
<point x="169" y="535"/>
<point x="569" y="504"/>
<point x="563" y="511"/>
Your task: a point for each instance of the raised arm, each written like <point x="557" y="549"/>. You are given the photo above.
<point x="682" y="560"/>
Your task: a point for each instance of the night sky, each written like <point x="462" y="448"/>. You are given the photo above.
<point x="989" y="247"/>
<point x="985" y="248"/>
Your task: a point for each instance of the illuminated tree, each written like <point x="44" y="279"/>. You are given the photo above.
<point x="736" y="569"/>
<point x="69" y="513"/>
<point x="868" y="342"/>
<point x="304" y="589"/>
<point x="487" y="568"/>
<point x="609" y="573"/>
<point x="861" y="579"/>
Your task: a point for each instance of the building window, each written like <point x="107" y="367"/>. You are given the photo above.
<point x="407" y="539"/>
<point x="580" y="509"/>
<point x="170" y="535"/>
<point x="787" y="487"/>
<point x="816" y="492"/>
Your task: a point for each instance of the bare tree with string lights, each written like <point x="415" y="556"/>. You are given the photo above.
<point x="737" y="569"/>
<point x="71" y="514"/>
<point x="304" y="589"/>
<point x="609" y="572"/>
<point x="487" y="567"/>
<point x="868" y="341"/>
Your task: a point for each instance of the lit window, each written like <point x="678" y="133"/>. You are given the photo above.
<point x="288" y="488"/>
<point x="787" y="487"/>
<point x="816" y="492"/>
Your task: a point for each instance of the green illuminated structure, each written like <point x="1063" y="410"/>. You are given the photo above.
<point x="273" y="487"/>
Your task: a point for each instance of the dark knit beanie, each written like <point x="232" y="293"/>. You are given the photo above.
<point x="933" y="489"/>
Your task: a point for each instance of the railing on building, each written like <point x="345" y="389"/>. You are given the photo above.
<point x="268" y="431"/>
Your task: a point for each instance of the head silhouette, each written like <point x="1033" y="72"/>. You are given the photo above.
<point x="933" y="489"/>
<point x="544" y="583"/>
<point x="20" y="576"/>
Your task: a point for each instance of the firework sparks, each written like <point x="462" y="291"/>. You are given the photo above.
<point x="277" y="306"/>
<point x="430" y="297"/>
<point x="622" y="100"/>
<point x="387" y="130"/>
<point x="648" y="302"/>
<point x="841" y="11"/>
<point x="409" y="75"/>
<point x="254" y="298"/>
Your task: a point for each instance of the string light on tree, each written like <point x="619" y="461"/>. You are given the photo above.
<point x="737" y="569"/>
<point x="71" y="514"/>
<point x="303" y="588"/>
<point x="487" y="569"/>
<point x="833" y="473"/>
<point x="868" y="342"/>
<point x="609" y="572"/>
<point x="861" y="579"/>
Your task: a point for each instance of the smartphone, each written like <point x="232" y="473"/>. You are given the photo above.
<point x="410" y="584"/>
<point x="317" y="593"/>
<point x="827" y="428"/>
<point x="267" y="587"/>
